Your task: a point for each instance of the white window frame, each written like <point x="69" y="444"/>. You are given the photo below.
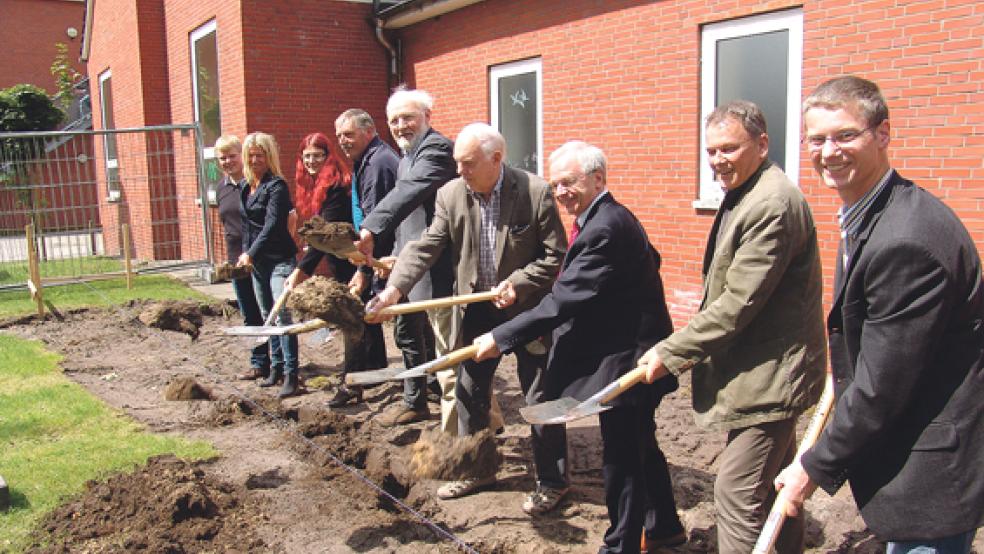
<point x="208" y="151"/>
<point x="496" y="72"/>
<point x="111" y="163"/>
<point x="710" y="193"/>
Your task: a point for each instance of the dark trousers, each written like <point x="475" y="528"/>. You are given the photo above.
<point x="410" y="334"/>
<point x="365" y="351"/>
<point x="260" y="354"/>
<point x="473" y="391"/>
<point x="638" y="491"/>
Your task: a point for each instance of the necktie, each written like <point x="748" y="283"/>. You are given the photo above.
<point x="575" y="230"/>
<point x="356" y="206"/>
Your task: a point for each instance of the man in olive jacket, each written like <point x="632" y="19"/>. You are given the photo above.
<point x="757" y="345"/>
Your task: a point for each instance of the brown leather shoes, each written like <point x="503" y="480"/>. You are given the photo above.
<point x="402" y="415"/>
<point x="651" y="544"/>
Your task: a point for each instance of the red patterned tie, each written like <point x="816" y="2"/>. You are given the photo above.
<point x="575" y="230"/>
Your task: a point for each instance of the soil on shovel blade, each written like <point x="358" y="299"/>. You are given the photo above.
<point x="294" y="476"/>
<point x="327" y="299"/>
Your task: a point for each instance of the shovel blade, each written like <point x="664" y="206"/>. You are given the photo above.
<point x="259" y="330"/>
<point x="373" y="376"/>
<point x="561" y="410"/>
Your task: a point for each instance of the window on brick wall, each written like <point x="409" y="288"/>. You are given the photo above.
<point x="515" y="92"/>
<point x="109" y="139"/>
<point x="205" y="81"/>
<point x="757" y="58"/>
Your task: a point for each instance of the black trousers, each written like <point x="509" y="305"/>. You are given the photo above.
<point x="638" y="491"/>
<point x="473" y="392"/>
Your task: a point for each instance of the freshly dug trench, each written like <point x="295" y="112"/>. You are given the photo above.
<point x="438" y="455"/>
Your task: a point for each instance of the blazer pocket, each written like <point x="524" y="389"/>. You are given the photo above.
<point x="937" y="436"/>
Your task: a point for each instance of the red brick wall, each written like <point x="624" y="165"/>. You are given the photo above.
<point x="625" y="75"/>
<point x="29" y="30"/>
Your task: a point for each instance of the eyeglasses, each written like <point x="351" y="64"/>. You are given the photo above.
<point x="313" y="156"/>
<point x="840" y="138"/>
<point x="569" y="182"/>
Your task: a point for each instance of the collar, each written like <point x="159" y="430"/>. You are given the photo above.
<point x="370" y="148"/>
<point x="584" y="215"/>
<point x="495" y="190"/>
<point x="850" y="217"/>
<point x="731" y="197"/>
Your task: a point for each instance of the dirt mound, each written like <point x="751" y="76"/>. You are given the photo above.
<point x="229" y="411"/>
<point x="172" y="315"/>
<point x="168" y="506"/>
<point x="186" y="388"/>
<point x="320" y="297"/>
<point x="227" y="272"/>
<point x="438" y="455"/>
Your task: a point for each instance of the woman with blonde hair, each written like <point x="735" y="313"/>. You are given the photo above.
<point x="269" y="248"/>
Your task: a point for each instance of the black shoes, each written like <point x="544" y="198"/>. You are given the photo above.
<point x="276" y="375"/>
<point x="345" y="395"/>
<point x="291" y="386"/>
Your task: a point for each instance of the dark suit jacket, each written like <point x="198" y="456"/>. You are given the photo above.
<point x="408" y="209"/>
<point x="265" y="214"/>
<point x="605" y="309"/>
<point x="906" y="345"/>
<point x="529" y="241"/>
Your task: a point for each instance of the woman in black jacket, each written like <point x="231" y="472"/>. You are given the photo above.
<point x="269" y="248"/>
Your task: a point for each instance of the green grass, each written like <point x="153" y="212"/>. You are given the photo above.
<point x="54" y="436"/>
<point x="16" y="272"/>
<point x="98" y="293"/>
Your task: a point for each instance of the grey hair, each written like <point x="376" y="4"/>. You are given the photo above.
<point x="747" y="113"/>
<point x="419" y="98"/>
<point x="850" y="91"/>
<point x="488" y="138"/>
<point x="360" y="117"/>
<point x="590" y="158"/>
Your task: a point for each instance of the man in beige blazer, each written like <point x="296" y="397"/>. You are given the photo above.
<point x="504" y="233"/>
<point x="757" y="345"/>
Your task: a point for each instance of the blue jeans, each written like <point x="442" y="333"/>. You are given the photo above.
<point x="954" y="544"/>
<point x="268" y="285"/>
<point x="260" y="355"/>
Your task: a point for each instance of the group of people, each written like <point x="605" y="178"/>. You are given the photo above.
<point x="905" y="333"/>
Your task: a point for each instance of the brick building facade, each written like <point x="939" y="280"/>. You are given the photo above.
<point x="622" y="74"/>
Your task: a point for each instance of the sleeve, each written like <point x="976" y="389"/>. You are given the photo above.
<point x="418" y="256"/>
<point x="277" y="211"/>
<point x="907" y="309"/>
<point x="541" y="272"/>
<point x="575" y="289"/>
<point x="432" y="167"/>
<point x="766" y="246"/>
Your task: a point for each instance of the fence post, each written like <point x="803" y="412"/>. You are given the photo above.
<point x="127" y="262"/>
<point x="33" y="270"/>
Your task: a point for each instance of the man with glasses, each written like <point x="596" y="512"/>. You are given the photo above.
<point x="605" y="308"/>
<point x="906" y="333"/>
<point x="756" y="347"/>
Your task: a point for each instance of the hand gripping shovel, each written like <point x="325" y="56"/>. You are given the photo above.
<point x="375" y="376"/>
<point x="567" y="409"/>
<point x="777" y="515"/>
<point x="335" y="238"/>
<point x="398" y="309"/>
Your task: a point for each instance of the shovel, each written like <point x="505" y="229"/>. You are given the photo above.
<point x="273" y="313"/>
<point x="335" y="238"/>
<point x="268" y="330"/>
<point x="375" y="376"/>
<point x="567" y="409"/>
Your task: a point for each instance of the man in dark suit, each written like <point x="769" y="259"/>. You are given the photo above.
<point x="906" y="333"/>
<point x="406" y="212"/>
<point x="504" y="234"/>
<point x="605" y="309"/>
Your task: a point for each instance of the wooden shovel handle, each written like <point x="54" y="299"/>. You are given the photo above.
<point x="272" y="316"/>
<point x="359" y="257"/>
<point x="311" y="325"/>
<point x="625" y="383"/>
<point x="411" y="307"/>
<point x="777" y="515"/>
<point x="451" y="359"/>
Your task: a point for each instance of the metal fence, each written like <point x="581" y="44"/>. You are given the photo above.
<point x="79" y="188"/>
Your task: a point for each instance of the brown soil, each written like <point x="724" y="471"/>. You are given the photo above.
<point x="332" y="237"/>
<point x="295" y="477"/>
<point x="327" y="299"/>
<point x="186" y="388"/>
<point x="438" y="455"/>
<point x="227" y="271"/>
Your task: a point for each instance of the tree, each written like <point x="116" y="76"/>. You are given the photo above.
<point x="27" y="108"/>
<point x="65" y="77"/>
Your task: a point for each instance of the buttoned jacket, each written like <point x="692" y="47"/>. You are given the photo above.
<point x="756" y="346"/>
<point x="907" y="351"/>
<point x="529" y="239"/>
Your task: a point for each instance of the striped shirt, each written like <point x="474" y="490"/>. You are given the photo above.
<point x="851" y="217"/>
<point x="489" y="207"/>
